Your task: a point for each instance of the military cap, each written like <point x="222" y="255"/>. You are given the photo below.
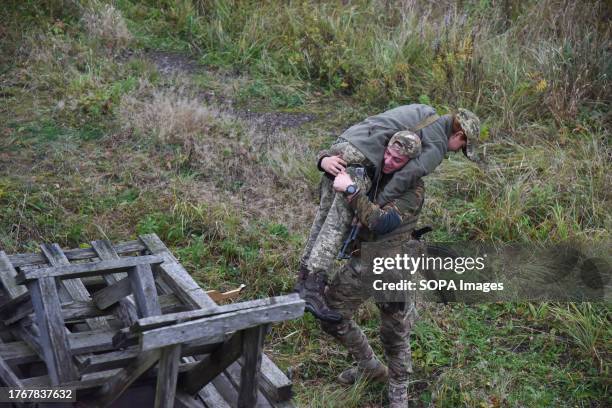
<point x="471" y="127"/>
<point x="409" y="143"/>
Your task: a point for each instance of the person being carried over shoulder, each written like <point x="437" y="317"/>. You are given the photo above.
<point x="361" y="151"/>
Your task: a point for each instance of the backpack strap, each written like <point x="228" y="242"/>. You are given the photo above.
<point x="425" y="122"/>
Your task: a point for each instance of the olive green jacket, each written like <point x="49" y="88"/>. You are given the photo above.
<point x="372" y="135"/>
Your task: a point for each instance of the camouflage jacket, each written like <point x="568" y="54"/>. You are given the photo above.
<point x="393" y="221"/>
<point x="372" y="135"/>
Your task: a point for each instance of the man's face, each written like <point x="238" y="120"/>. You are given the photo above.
<point x="393" y="160"/>
<point x="456" y="141"/>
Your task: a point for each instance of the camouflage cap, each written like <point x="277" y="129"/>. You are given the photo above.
<point x="409" y="143"/>
<point x="471" y="127"/>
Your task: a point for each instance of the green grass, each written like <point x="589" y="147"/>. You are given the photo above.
<point x="96" y="143"/>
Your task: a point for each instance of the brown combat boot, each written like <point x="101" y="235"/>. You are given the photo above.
<point x="378" y="372"/>
<point x="314" y="291"/>
<point x="398" y="396"/>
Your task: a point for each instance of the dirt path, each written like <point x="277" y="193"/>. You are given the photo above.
<point x="172" y="64"/>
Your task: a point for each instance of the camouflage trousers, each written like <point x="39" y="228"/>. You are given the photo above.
<point x="344" y="295"/>
<point x="334" y="217"/>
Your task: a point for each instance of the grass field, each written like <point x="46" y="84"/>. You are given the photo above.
<point x="199" y="120"/>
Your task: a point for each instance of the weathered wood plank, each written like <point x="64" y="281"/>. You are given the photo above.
<point x="125" y="377"/>
<point x="252" y="348"/>
<point x="121" y="358"/>
<point x="176" y="276"/>
<point x="145" y="293"/>
<point x="76" y="254"/>
<point x="212" y="329"/>
<point x="53" y="338"/>
<point x="127" y="307"/>
<point x="87" y="269"/>
<point x="233" y="373"/>
<point x="172" y="318"/>
<point x="70" y="311"/>
<point x="77" y="310"/>
<point x="167" y="375"/>
<point x="105" y="298"/>
<point x="74" y="287"/>
<point x="7" y="278"/>
<point x="8" y="376"/>
<point x="212" y="398"/>
<point x="10" y="305"/>
<point x="227" y="390"/>
<point x="184" y="400"/>
<point x="273" y="381"/>
<point x="209" y="367"/>
<point x="18" y="352"/>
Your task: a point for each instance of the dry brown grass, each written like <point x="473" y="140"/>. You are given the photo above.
<point x="105" y="22"/>
<point x="265" y="175"/>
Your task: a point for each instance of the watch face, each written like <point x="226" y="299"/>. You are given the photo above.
<point x="351" y="189"/>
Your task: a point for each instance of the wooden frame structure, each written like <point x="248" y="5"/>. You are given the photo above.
<point x="107" y="319"/>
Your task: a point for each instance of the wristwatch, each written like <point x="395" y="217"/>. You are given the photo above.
<point x="351" y="189"/>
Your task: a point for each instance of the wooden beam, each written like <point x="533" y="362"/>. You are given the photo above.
<point x="272" y="381"/>
<point x="152" y="322"/>
<point x="105" y="298"/>
<point x="252" y="349"/>
<point x="209" y="367"/>
<point x="76" y="254"/>
<point x="125" y="377"/>
<point x="233" y="373"/>
<point x="145" y="294"/>
<point x="184" y="400"/>
<point x="53" y="337"/>
<point x="126" y="312"/>
<point x="176" y="276"/>
<point x="87" y="269"/>
<point x="167" y="375"/>
<point x="212" y="397"/>
<point x="8" y="376"/>
<point x="7" y="278"/>
<point x="74" y="287"/>
<point x="212" y="329"/>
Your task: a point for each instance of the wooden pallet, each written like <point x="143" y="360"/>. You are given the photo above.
<point x="113" y="319"/>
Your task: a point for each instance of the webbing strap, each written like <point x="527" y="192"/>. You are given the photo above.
<point x="425" y="122"/>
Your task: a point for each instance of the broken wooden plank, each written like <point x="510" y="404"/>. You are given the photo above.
<point x="76" y="254"/>
<point x="172" y="318"/>
<point x="176" y="276"/>
<point x="53" y="338"/>
<point x="252" y="348"/>
<point x="87" y="269"/>
<point x="167" y="375"/>
<point x="213" y="328"/>
<point x="209" y="367"/>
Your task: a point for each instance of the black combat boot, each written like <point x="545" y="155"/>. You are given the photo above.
<point x="314" y="290"/>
